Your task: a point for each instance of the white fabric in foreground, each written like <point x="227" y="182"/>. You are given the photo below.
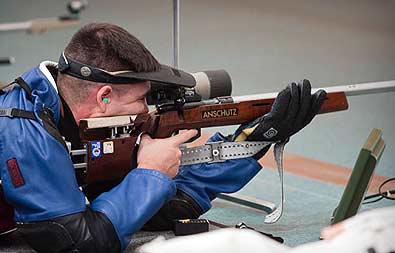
<point x="371" y="229"/>
<point x="229" y="240"/>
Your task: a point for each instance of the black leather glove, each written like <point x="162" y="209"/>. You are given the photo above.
<point x="293" y="109"/>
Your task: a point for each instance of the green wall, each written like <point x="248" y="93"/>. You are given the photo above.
<point x="262" y="44"/>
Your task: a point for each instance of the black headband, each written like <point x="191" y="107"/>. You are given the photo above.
<point x="165" y="75"/>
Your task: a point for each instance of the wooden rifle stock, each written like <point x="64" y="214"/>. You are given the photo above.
<point x="224" y="114"/>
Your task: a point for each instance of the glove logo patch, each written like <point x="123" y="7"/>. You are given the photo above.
<point x="270" y="133"/>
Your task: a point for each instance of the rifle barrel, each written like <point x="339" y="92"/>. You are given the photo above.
<point x="349" y="90"/>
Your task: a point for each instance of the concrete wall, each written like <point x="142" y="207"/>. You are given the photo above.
<point x="263" y="44"/>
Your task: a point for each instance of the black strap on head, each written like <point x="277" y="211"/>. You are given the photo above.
<point x="86" y="72"/>
<point x="165" y="75"/>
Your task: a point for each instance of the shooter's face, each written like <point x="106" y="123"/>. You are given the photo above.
<point x="129" y="99"/>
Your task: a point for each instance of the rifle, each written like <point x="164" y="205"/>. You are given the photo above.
<point x="109" y="143"/>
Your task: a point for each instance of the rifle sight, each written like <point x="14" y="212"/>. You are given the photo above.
<point x="209" y="84"/>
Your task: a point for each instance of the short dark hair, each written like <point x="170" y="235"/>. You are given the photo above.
<point x="105" y="46"/>
<point x="111" y="48"/>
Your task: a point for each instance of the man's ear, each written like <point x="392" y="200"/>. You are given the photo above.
<point x="103" y="97"/>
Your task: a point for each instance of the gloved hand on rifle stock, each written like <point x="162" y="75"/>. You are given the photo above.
<point x="293" y="109"/>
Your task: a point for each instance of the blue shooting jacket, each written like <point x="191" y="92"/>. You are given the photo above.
<point x="37" y="173"/>
<point x="39" y="180"/>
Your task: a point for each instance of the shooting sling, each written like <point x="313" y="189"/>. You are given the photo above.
<point x="222" y="151"/>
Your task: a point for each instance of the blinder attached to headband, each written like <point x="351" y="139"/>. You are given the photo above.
<point x="165" y="75"/>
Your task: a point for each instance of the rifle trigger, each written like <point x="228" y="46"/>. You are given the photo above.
<point x="197" y="136"/>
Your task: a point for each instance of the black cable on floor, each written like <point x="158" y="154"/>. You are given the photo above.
<point x="381" y="194"/>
